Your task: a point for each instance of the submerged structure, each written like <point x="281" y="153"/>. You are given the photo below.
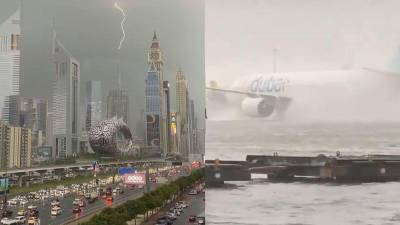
<point x="365" y="168"/>
<point x="111" y="136"/>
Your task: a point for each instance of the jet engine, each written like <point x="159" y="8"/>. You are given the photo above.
<point x="259" y="106"/>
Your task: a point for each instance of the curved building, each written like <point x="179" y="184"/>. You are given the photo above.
<point x="110" y="136"/>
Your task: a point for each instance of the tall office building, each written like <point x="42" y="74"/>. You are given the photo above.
<point x="93" y="103"/>
<point x="65" y="102"/>
<point x="16" y="147"/>
<point x="117" y="104"/>
<point x="156" y="58"/>
<point x="10" y="61"/>
<point x="182" y="114"/>
<point x="153" y="108"/>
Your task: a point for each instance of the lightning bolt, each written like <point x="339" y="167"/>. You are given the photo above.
<point x="122" y="24"/>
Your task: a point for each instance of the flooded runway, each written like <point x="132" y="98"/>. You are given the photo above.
<point x="262" y="203"/>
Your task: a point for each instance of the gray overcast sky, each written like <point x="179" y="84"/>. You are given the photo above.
<point x="310" y="35"/>
<point x="90" y="30"/>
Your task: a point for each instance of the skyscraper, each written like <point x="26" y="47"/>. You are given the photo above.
<point x="156" y="59"/>
<point x="93" y="103"/>
<point x="65" y="101"/>
<point x="117" y="104"/>
<point x="10" y="60"/>
<point x="153" y="108"/>
<point x="182" y="115"/>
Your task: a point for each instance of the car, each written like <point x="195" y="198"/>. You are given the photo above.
<point x="76" y="209"/>
<point x="201" y="221"/>
<point x="92" y="200"/>
<point x="82" y="203"/>
<point x="7" y="221"/>
<point x="33" y="221"/>
<point x="192" y="218"/>
<point x="110" y="198"/>
<point x="55" y="211"/>
<point x="12" y="202"/>
<point x="20" y="219"/>
<point x="183" y="204"/>
<point x="164" y="222"/>
<point x="87" y="195"/>
<point x="193" y="192"/>
<point x="172" y="216"/>
<point x="21" y="212"/>
<point x="55" y="203"/>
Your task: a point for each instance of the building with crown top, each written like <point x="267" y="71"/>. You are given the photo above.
<point x="156" y="113"/>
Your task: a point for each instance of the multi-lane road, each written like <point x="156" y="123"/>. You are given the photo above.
<point x="66" y="203"/>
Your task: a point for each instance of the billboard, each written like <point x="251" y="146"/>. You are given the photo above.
<point x="135" y="178"/>
<point x="195" y="165"/>
<point x="125" y="170"/>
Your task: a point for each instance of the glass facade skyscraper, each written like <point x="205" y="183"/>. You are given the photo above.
<point x="65" y="101"/>
<point x="10" y="61"/>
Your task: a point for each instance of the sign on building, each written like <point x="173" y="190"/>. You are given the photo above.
<point x="134" y="178"/>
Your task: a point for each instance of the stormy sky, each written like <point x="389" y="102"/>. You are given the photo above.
<point x="310" y="35"/>
<point x="90" y="30"/>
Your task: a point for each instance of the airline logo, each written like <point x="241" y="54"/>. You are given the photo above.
<point x="268" y="85"/>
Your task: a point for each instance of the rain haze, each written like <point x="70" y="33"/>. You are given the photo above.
<point x="338" y="65"/>
<point x="342" y="57"/>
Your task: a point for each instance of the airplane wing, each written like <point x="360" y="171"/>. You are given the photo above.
<point x="252" y="94"/>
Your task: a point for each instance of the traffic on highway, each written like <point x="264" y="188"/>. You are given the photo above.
<point x="64" y="204"/>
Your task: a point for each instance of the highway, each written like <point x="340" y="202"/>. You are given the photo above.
<point x="66" y="205"/>
<point x="84" y="165"/>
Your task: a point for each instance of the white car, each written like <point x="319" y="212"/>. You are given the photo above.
<point x="171" y="215"/>
<point x="7" y="221"/>
<point x="193" y="192"/>
<point x="55" y="211"/>
<point x="20" y="219"/>
<point x="23" y="202"/>
<point x="12" y="202"/>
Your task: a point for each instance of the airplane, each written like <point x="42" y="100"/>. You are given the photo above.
<point x="273" y="94"/>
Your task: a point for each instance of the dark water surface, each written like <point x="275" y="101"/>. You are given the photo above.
<point x="302" y="203"/>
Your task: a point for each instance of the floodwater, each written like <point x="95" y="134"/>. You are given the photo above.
<point x="260" y="203"/>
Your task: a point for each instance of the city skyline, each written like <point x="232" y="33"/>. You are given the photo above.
<point x="74" y="106"/>
<point x="111" y="61"/>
